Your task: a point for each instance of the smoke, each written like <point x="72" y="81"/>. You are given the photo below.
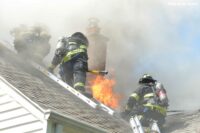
<point x="156" y="37"/>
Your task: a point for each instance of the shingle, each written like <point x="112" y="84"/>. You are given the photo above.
<point x="50" y="95"/>
<point x="186" y="122"/>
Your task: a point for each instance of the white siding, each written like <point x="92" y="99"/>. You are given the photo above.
<point x="14" y="118"/>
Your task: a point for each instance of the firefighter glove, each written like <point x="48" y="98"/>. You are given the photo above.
<point x="51" y="68"/>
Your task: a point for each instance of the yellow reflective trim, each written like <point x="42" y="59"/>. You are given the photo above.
<point x="73" y="52"/>
<point x="158" y="108"/>
<point x="52" y="66"/>
<point x="136" y="96"/>
<point x="66" y="58"/>
<point x="79" y="84"/>
<point x="83" y="46"/>
<point x="149" y="95"/>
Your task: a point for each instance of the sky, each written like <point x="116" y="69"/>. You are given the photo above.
<point x="159" y="37"/>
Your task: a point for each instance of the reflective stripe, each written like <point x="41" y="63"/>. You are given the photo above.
<point x="136" y="96"/>
<point x="79" y="84"/>
<point x="158" y="108"/>
<point x="149" y="95"/>
<point x="72" y="43"/>
<point x="75" y="52"/>
<point x="71" y="53"/>
<point x="52" y="66"/>
<point x="83" y="46"/>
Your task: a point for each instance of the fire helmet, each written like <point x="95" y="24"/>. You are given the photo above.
<point x="80" y="37"/>
<point x="146" y="78"/>
<point x="93" y="27"/>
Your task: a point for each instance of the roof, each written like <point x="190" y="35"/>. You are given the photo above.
<point x="183" y="123"/>
<point x="50" y="95"/>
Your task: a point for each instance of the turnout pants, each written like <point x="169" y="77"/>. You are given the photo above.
<point x="73" y="72"/>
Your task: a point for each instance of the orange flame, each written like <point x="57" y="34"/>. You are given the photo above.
<point x="102" y="90"/>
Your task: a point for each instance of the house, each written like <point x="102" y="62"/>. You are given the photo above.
<point x="30" y="102"/>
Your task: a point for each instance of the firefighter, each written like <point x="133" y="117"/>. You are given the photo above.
<point x="19" y="37"/>
<point x="31" y="42"/>
<point x="149" y="101"/>
<point x="41" y="43"/>
<point x="71" y="53"/>
<point x="98" y="46"/>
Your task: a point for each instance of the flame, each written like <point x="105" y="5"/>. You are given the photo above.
<point x="102" y="90"/>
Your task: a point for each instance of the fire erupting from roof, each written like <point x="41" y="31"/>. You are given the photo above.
<point x="103" y="91"/>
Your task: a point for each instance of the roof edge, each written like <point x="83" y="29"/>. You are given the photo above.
<point x="47" y="114"/>
<point x="73" y="121"/>
<point x="15" y="93"/>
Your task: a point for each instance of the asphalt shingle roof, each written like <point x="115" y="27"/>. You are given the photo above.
<point x="183" y="123"/>
<point x="50" y="95"/>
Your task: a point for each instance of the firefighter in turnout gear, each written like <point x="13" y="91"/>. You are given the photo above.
<point x="31" y="42"/>
<point x="71" y="53"/>
<point x="149" y="101"/>
<point x="98" y="46"/>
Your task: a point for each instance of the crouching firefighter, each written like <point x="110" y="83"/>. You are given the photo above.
<point x="71" y="53"/>
<point x="149" y="102"/>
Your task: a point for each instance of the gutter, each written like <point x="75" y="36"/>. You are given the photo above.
<point x="53" y="115"/>
<point x="63" y="119"/>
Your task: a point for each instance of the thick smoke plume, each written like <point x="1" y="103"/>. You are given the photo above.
<point x="155" y="37"/>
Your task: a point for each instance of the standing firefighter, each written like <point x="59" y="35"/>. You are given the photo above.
<point x="71" y="52"/>
<point x="98" y="46"/>
<point x="149" y="101"/>
<point x="31" y="42"/>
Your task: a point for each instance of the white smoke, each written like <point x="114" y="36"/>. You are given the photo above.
<point x="145" y="37"/>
